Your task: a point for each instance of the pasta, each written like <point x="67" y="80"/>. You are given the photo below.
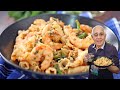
<point x="36" y="69"/>
<point x="103" y="61"/>
<point x="52" y="47"/>
<point x="51" y="70"/>
<point x="79" y="69"/>
<point x="64" y="64"/>
<point x="24" y="64"/>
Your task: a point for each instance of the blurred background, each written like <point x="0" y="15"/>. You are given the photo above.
<point x="9" y="17"/>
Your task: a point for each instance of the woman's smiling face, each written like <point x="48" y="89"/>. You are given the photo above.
<point x="98" y="36"/>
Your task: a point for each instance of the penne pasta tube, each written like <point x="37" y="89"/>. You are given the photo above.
<point x="79" y="69"/>
<point x="51" y="70"/>
<point x="36" y="69"/>
<point x="33" y="63"/>
<point x="24" y="64"/>
<point x="64" y="64"/>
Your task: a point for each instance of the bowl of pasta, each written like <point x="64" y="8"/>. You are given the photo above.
<point x="103" y="62"/>
<point x="50" y="46"/>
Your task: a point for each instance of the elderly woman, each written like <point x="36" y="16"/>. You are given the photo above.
<point x="98" y="49"/>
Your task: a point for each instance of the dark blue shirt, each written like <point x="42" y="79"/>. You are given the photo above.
<point x="108" y="51"/>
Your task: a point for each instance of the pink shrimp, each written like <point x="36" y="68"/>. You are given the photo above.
<point x="81" y="43"/>
<point x="86" y="28"/>
<point x="48" y="39"/>
<point x="44" y="54"/>
<point x="79" y="60"/>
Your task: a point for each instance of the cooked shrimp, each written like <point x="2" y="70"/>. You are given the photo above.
<point x="68" y="30"/>
<point x="64" y="39"/>
<point x="79" y="60"/>
<point x="39" y="22"/>
<point x="87" y="41"/>
<point x="54" y="25"/>
<point x="86" y="28"/>
<point x="33" y="28"/>
<point x="69" y="44"/>
<point x="30" y="43"/>
<point x="81" y="43"/>
<point x="52" y="19"/>
<point x="58" y="28"/>
<point x="55" y="36"/>
<point x="56" y="46"/>
<point x="42" y="53"/>
<point x="48" y="44"/>
<point x="46" y="28"/>
<point x="47" y="39"/>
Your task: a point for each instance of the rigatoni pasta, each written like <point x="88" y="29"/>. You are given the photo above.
<point x="79" y="69"/>
<point x="51" y="70"/>
<point x="24" y="64"/>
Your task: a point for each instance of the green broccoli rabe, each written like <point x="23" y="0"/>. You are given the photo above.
<point x="59" y="55"/>
<point x="58" y="70"/>
<point x="63" y="55"/>
<point x="78" y="25"/>
<point x="83" y="35"/>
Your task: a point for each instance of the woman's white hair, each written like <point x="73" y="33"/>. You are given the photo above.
<point x="96" y="27"/>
